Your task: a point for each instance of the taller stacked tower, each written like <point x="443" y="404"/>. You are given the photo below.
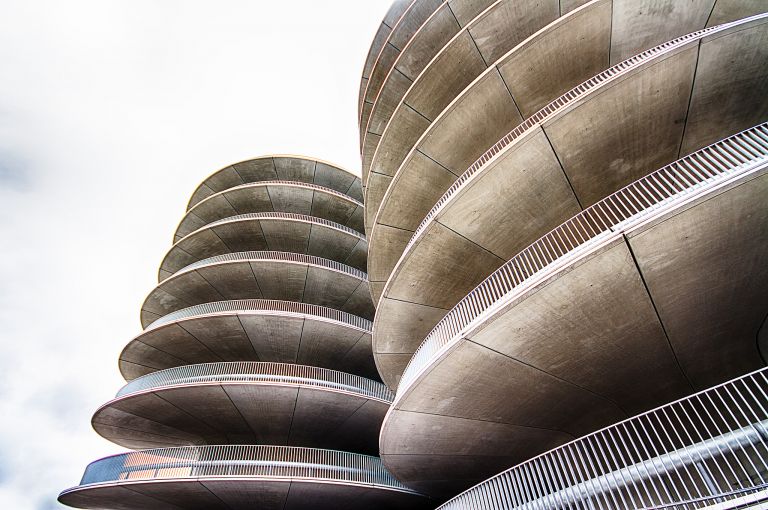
<point x="565" y="203"/>
<point x="253" y="384"/>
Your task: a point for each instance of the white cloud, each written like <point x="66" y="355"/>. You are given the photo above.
<point x="111" y="112"/>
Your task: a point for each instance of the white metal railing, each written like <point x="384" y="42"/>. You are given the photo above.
<point x="280" y="216"/>
<point x="264" y="184"/>
<point x="665" y="188"/>
<point x="259" y="372"/>
<point x="705" y="449"/>
<point x="563" y="102"/>
<point x="239" y="461"/>
<point x="277" y="256"/>
<point x="269" y="306"/>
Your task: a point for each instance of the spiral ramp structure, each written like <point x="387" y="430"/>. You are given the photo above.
<point x="565" y="207"/>
<point x="252" y="384"/>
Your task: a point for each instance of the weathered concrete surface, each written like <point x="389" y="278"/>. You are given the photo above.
<point x="433" y="34"/>
<point x="269" y="413"/>
<point x="262" y="276"/>
<point x="647" y="315"/>
<point x="500" y="27"/>
<point x="261" y="332"/>
<point x="391" y="18"/>
<point x="283" y="168"/>
<point x="284" y="232"/>
<point x="565" y="53"/>
<point x="616" y="134"/>
<point x="399" y="38"/>
<point x="274" y="196"/>
<point x="239" y="493"/>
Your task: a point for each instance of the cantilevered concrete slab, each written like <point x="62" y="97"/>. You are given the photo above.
<point x="274" y="196"/>
<point x="247" y="403"/>
<point x="391" y="19"/>
<point x="253" y="330"/>
<point x="412" y="19"/>
<point x="285" y="232"/>
<point x="262" y="275"/>
<point x="631" y="304"/>
<point x="710" y="463"/>
<point x="434" y="33"/>
<point x="427" y="158"/>
<point x="280" y="168"/>
<point x="620" y="126"/>
<point x="494" y="31"/>
<point x="240" y="478"/>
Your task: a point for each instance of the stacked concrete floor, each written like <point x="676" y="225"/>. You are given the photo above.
<point x="555" y="244"/>
<point x="563" y="237"/>
<point x="253" y="384"/>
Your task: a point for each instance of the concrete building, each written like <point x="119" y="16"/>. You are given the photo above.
<point x="558" y="273"/>
<point x="565" y="205"/>
<point x="253" y="383"/>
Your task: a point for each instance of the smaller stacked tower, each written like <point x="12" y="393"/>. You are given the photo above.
<point x="234" y="387"/>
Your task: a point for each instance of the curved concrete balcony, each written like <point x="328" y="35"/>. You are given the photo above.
<point x="404" y="63"/>
<point x="705" y="451"/>
<point x="262" y="275"/>
<point x="253" y="329"/>
<point x="496" y="27"/>
<point x="285" y="232"/>
<point x="562" y="159"/>
<point x="398" y="37"/>
<point x="274" y="196"/>
<point x="654" y="292"/>
<point x="460" y="38"/>
<point x="247" y="403"/>
<point x="574" y="48"/>
<point x="280" y="168"/>
<point x="391" y="18"/>
<point x="239" y="478"/>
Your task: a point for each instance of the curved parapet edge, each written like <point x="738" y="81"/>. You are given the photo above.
<point x="661" y="191"/>
<point x="257" y="275"/>
<point x="222" y="205"/>
<point x="168" y="266"/>
<point x="239" y="330"/>
<point x="393" y="16"/>
<point x="243" y="465"/>
<point x="630" y="466"/>
<point x="405" y="202"/>
<point x="247" y="403"/>
<point x="286" y="167"/>
<point x="553" y="345"/>
<point x="260" y="372"/>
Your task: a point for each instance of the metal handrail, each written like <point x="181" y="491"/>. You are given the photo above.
<point x="276" y="256"/>
<point x="268" y="306"/>
<point x="710" y="446"/>
<point x="665" y="188"/>
<point x="277" y="216"/>
<point x="207" y="181"/>
<point x="278" y="182"/>
<point x="241" y="461"/>
<point x="259" y="372"/>
<point x="275" y="182"/>
<point x="563" y="102"/>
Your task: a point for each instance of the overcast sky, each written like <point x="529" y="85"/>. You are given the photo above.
<point x="111" y="113"/>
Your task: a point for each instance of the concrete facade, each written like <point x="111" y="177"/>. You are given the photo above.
<point x="547" y="170"/>
<point x="549" y="281"/>
<point x="253" y="381"/>
<point x="508" y="188"/>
